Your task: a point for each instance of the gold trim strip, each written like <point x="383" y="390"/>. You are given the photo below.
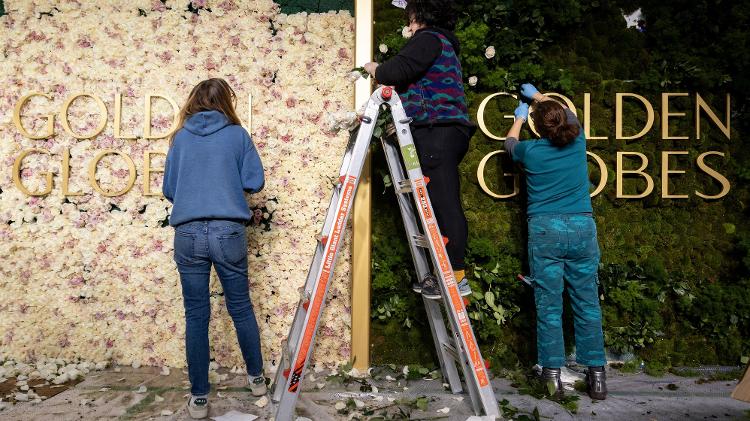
<point x="363" y="15"/>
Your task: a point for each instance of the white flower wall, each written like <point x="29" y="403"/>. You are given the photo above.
<point x="92" y="277"/>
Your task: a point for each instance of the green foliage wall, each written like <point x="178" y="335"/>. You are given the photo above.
<point x="674" y="274"/>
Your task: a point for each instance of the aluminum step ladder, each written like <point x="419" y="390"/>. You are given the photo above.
<point x="459" y="348"/>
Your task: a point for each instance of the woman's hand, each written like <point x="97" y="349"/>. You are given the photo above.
<point x="522" y="111"/>
<point x="370" y="68"/>
<point x="531" y="93"/>
<point x="528" y="91"/>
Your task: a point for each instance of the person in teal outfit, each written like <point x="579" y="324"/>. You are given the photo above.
<point x="563" y="247"/>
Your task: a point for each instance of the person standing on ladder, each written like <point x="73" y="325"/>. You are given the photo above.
<point x="562" y="237"/>
<point x="427" y="75"/>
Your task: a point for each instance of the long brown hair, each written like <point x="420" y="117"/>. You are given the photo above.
<point x="211" y="94"/>
<point x="552" y="122"/>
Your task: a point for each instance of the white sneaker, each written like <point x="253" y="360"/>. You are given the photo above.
<point x="463" y="287"/>
<point x="198" y="407"/>
<point x="257" y="385"/>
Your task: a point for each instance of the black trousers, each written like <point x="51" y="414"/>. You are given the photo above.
<point x="440" y="150"/>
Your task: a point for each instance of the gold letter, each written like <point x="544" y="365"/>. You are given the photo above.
<point x="147" y="117"/>
<point x="118" y="118"/>
<point x="17" y="173"/>
<point x="665" y="171"/>
<point x="17" y="118"/>
<point x="568" y="102"/>
<point x="620" y="172"/>
<point x="603" y="170"/>
<point x="480" y="114"/>
<point x="66" y="175"/>
<point x="483" y="185"/>
<point x="587" y="118"/>
<point x="618" y="115"/>
<point x="665" y="114"/>
<point x="147" y="170"/>
<point x="701" y="104"/>
<point x="713" y="173"/>
<point x="92" y="173"/>
<point x="102" y="116"/>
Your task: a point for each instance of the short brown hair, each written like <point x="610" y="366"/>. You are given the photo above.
<point x="551" y="121"/>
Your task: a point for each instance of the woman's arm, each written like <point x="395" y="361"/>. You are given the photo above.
<point x="511" y="139"/>
<point x="167" y="184"/>
<point x="529" y="91"/>
<point x="410" y="64"/>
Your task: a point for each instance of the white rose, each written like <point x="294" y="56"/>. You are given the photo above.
<point x="383" y="48"/>
<point x="406" y="32"/>
<point x="473" y="81"/>
<point x="489" y="52"/>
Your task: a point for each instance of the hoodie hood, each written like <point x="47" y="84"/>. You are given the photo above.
<point x="448" y="34"/>
<point x="205" y="123"/>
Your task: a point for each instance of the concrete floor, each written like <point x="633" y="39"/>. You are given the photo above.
<point x="113" y="394"/>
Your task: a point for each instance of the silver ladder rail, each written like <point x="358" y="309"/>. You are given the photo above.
<point x="460" y="347"/>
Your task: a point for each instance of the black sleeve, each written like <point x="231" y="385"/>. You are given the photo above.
<point x="411" y="63"/>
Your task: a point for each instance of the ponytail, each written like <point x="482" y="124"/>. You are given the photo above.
<point x="552" y="122"/>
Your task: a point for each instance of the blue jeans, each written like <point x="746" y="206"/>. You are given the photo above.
<point x="197" y="245"/>
<point x="564" y="247"/>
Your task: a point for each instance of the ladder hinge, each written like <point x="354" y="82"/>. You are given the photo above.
<point x="451" y="350"/>
<point x="420" y="241"/>
<point x="404" y="186"/>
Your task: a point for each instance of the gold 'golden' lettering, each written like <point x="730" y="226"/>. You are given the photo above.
<point x="618" y="115"/>
<point x="700" y="104"/>
<point x="102" y="116"/>
<point x="665" y="114"/>
<point x="50" y="126"/>
<point x="147" y="117"/>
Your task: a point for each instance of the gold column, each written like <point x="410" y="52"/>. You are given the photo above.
<point x="363" y="15"/>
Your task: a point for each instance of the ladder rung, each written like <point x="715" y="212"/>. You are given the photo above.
<point x="451" y="350"/>
<point x="404" y="186"/>
<point x="420" y="241"/>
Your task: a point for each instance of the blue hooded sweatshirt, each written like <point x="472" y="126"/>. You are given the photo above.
<point x="210" y="165"/>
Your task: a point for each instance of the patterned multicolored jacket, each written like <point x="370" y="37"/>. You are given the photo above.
<point x="439" y="96"/>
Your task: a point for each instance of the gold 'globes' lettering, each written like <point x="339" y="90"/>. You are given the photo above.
<point x="17" y="173"/>
<point x="665" y="171"/>
<point x="95" y="183"/>
<point x="713" y="173"/>
<point x="147" y="170"/>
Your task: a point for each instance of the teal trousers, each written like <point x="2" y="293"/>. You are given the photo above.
<point x="564" y="249"/>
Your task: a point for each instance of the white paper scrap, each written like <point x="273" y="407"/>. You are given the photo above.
<point x="235" y="416"/>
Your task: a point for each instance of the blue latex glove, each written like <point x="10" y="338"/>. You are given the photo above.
<point x="522" y="111"/>
<point x="528" y="91"/>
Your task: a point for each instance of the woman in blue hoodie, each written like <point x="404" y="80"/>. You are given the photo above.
<point x="211" y="164"/>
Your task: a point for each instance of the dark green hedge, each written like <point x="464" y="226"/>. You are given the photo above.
<point x="674" y="272"/>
